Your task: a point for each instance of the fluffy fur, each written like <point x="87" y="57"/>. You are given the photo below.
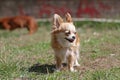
<point x="65" y="42"/>
<point x="11" y="23"/>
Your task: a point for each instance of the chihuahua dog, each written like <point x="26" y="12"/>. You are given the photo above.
<point x="65" y="42"/>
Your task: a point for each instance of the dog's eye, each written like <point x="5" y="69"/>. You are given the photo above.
<point x="75" y="32"/>
<point x="67" y="33"/>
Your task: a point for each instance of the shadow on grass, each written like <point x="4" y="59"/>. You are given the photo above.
<point x="42" y="69"/>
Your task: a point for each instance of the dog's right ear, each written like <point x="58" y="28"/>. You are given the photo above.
<point x="57" y="20"/>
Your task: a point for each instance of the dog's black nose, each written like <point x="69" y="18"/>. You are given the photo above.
<point x="73" y="37"/>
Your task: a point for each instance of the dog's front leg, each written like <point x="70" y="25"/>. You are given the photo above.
<point x="77" y="57"/>
<point x="58" y="63"/>
<point x="71" y="60"/>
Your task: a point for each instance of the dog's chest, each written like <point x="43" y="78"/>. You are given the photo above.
<point x="65" y="52"/>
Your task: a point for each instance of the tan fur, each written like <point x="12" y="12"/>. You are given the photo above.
<point x="63" y="42"/>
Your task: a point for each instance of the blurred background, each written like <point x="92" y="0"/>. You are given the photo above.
<point x="30" y="57"/>
<point x="46" y="8"/>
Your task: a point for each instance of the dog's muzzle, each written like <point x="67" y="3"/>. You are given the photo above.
<point x="70" y="40"/>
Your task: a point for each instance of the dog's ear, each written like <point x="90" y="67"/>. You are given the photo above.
<point x="68" y="17"/>
<point x="57" y="20"/>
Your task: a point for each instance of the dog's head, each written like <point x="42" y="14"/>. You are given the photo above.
<point x="65" y="32"/>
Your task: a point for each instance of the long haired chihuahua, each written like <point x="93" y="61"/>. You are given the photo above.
<point x="65" y="42"/>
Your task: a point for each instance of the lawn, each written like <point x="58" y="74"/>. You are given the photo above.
<point x="30" y="57"/>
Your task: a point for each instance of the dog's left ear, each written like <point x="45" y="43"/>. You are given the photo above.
<point x="68" y="17"/>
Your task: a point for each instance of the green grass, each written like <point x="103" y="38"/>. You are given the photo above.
<point x="30" y="57"/>
<point x="111" y="74"/>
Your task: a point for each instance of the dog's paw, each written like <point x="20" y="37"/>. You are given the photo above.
<point x="73" y="70"/>
<point x="77" y="65"/>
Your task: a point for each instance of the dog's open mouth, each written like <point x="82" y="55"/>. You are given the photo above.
<point x="70" y="40"/>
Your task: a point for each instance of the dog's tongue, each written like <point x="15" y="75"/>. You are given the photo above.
<point x="70" y="40"/>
